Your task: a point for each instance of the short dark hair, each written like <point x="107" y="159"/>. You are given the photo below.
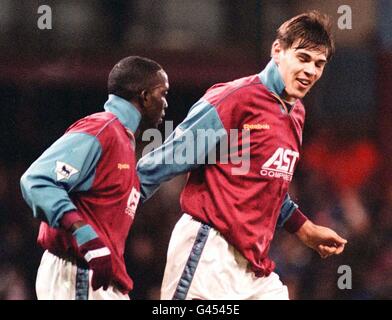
<point x="131" y="75"/>
<point x="312" y="28"/>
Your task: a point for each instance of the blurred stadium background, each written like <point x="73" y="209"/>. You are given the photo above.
<point x="50" y="78"/>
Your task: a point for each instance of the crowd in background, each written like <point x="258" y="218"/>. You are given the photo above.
<point x="343" y="180"/>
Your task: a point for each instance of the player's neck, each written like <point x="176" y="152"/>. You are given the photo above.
<point x="288" y="99"/>
<point x="291" y="103"/>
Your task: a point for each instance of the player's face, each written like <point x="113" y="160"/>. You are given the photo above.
<point x="299" y="68"/>
<point x="155" y="100"/>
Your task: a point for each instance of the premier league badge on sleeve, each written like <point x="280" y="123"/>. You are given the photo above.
<point x="64" y="171"/>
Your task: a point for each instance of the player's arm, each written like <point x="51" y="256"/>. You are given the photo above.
<point x="323" y="240"/>
<point x="68" y="166"/>
<point x="162" y="164"/>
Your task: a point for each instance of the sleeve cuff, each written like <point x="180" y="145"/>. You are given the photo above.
<point x="69" y="218"/>
<point x="295" y="222"/>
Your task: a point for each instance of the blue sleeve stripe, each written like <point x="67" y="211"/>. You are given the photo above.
<point x="84" y="234"/>
<point x="287" y="209"/>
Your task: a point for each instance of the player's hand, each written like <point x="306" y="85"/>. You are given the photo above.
<point x="96" y="254"/>
<point x="321" y="239"/>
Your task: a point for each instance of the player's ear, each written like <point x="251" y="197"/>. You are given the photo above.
<point x="275" y="50"/>
<point x="144" y="96"/>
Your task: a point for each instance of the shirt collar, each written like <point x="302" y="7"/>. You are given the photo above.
<point x="125" y="111"/>
<point x="272" y="79"/>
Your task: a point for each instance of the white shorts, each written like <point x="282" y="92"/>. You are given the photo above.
<point x="201" y="264"/>
<point x="60" y="279"/>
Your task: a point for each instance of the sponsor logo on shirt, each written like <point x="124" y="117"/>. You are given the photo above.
<point x="256" y="126"/>
<point x="281" y="165"/>
<point x="64" y="171"/>
<point x="122" y="166"/>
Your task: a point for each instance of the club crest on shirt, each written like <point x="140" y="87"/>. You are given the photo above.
<point x="64" y="171"/>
